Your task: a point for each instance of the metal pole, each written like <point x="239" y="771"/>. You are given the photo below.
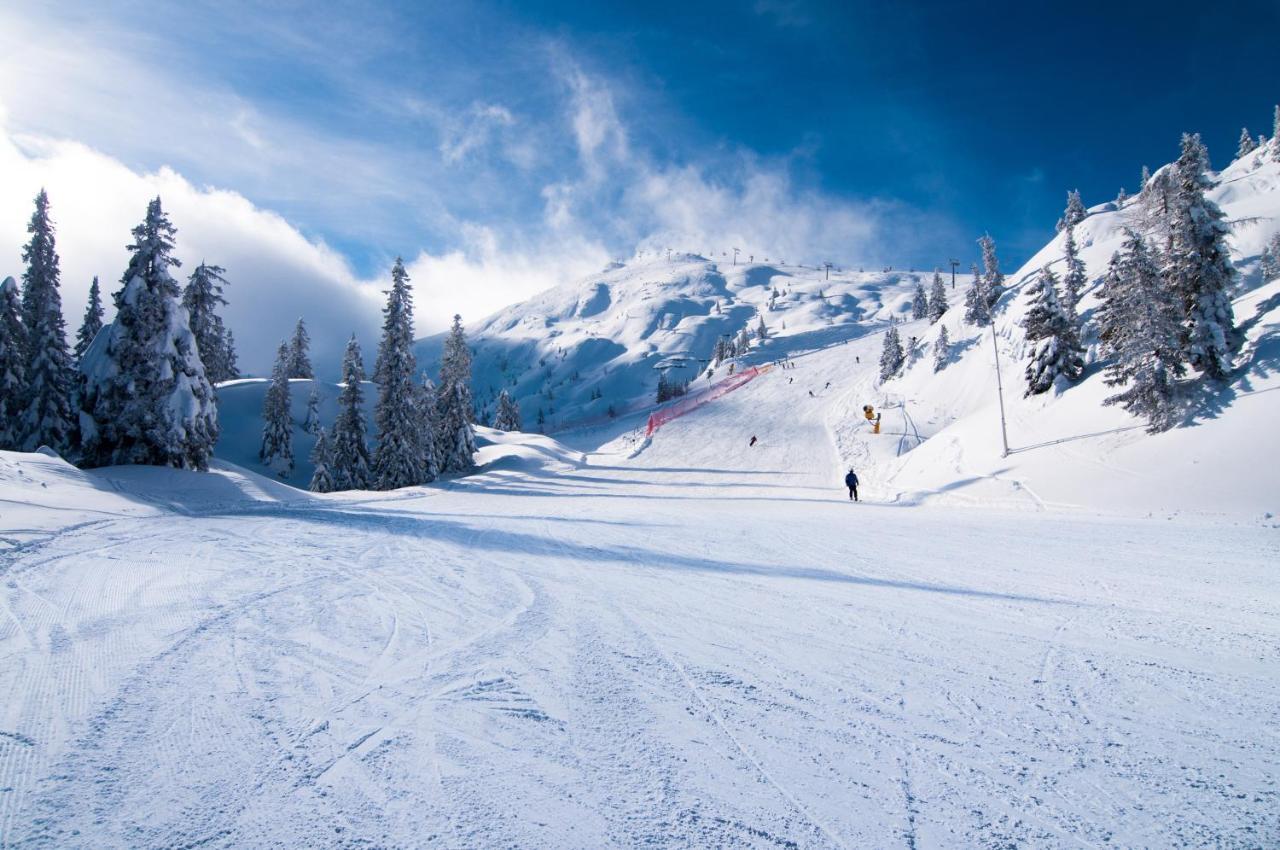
<point x="954" y="263"/>
<point x="1004" y="430"/>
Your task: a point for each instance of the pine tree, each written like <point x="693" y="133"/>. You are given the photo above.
<point x="1138" y="324"/>
<point x="13" y="364"/>
<point x="663" y="392"/>
<point x="426" y="402"/>
<point x="322" y="459"/>
<point x="1050" y="325"/>
<point x="743" y="344"/>
<point x="202" y="298"/>
<point x="762" y="332"/>
<point x="312" y="423"/>
<point x="891" y="356"/>
<point x="277" y="425"/>
<point x="47" y="418"/>
<point x="992" y="278"/>
<point x="299" y="356"/>
<point x="230" y="366"/>
<point x="92" y="321"/>
<point x="397" y="461"/>
<point x="937" y="298"/>
<point x="1075" y="212"/>
<point x="1269" y="262"/>
<point x="1144" y="179"/>
<point x="508" y="415"/>
<point x="1275" y="135"/>
<point x="1075" y="279"/>
<point x="146" y="398"/>
<point x="455" y="434"/>
<point x="350" y="466"/>
<point x="976" y="311"/>
<point x="1122" y="198"/>
<point x="1247" y="144"/>
<point x="941" y="350"/>
<point x="919" y="302"/>
<point x="1199" y="268"/>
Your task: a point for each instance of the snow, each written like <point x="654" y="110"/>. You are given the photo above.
<point x="697" y="647"/>
<point x="603" y="640"/>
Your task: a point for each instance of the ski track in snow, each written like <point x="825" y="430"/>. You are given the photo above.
<point x="701" y="645"/>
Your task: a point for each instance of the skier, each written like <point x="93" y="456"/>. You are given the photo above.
<point x="753" y="441"/>
<point x="851" y="481"/>
<point x="810" y="393"/>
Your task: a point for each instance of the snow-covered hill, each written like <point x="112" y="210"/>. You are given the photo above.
<point x="577" y="350"/>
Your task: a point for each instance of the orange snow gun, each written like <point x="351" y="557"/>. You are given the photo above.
<point x="872" y="417"/>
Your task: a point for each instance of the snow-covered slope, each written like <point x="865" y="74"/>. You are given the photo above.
<point x="577" y="350"/>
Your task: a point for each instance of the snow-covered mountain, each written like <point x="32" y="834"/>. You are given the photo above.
<point x="579" y="349"/>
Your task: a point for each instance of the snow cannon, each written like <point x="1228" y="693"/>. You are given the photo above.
<point x="872" y="417"/>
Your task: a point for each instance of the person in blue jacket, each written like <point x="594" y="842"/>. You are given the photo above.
<point x="851" y="481"/>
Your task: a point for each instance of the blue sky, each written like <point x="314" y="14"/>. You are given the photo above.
<point x="530" y="141"/>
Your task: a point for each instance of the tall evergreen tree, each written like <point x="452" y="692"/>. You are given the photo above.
<point x="299" y="352"/>
<point x="976" y="311"/>
<point x="919" y="302"/>
<point x="508" y="415"/>
<point x="891" y="356"/>
<point x="1269" y="261"/>
<point x="937" y="298"/>
<point x="1247" y="144"/>
<point x="202" y="297"/>
<point x="47" y="418"/>
<point x="230" y="366"/>
<point x="743" y="345"/>
<point x="146" y="398"/>
<point x="322" y="459"/>
<point x="426" y="402"/>
<point x="1050" y="325"/>
<point x="13" y="364"/>
<point x="1275" y="135"/>
<point x="992" y="277"/>
<point x="397" y="460"/>
<point x="1198" y="266"/>
<point x="941" y="350"/>
<point x="350" y="466"/>
<point x="277" y="424"/>
<point x="1138" y="324"/>
<point x="1075" y="279"/>
<point x="455" y="434"/>
<point x="762" y="332"/>
<point x="92" y="320"/>
<point x="1075" y="212"/>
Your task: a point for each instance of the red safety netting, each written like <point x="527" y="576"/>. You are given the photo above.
<point x="688" y="404"/>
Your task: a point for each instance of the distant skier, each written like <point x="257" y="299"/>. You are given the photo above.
<point x="851" y="481"/>
<point x="811" y="394"/>
<point x="753" y="441"/>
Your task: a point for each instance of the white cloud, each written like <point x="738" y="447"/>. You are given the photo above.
<point x="276" y="274"/>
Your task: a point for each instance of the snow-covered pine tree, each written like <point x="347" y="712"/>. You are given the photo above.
<point x="941" y="350"/>
<point x="1074" y="213"/>
<point x="1075" y="279"/>
<point x="508" y="415"/>
<point x="743" y="344"/>
<point x="397" y="460"/>
<point x="1122" y="198"/>
<point x="1144" y="179"/>
<point x="299" y="352"/>
<point x="1275" y="135"/>
<point x="276" y="452"/>
<point x="1247" y="144"/>
<point x="202" y="298"/>
<point x="762" y="332"/>
<point x="663" y="392"/>
<point x="92" y="320"/>
<point x="919" y="302"/>
<point x="1139" y="326"/>
<point x="976" y="311"/>
<point x="47" y="418"/>
<point x="1269" y="261"/>
<point x="1198" y="266"/>
<point x="322" y="459"/>
<point x="350" y="467"/>
<point x="145" y="396"/>
<point x="426" y="398"/>
<point x="937" y="298"/>
<point x="230" y="366"/>
<point x="312" y="423"/>
<point x="992" y="277"/>
<point x="1051" y="329"/>
<point x="13" y="364"/>
<point x="891" y="356"/>
<point x="455" y="433"/>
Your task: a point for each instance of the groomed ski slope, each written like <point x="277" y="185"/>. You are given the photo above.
<point x="700" y="645"/>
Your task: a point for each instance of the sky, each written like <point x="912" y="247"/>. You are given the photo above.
<point x="505" y="147"/>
